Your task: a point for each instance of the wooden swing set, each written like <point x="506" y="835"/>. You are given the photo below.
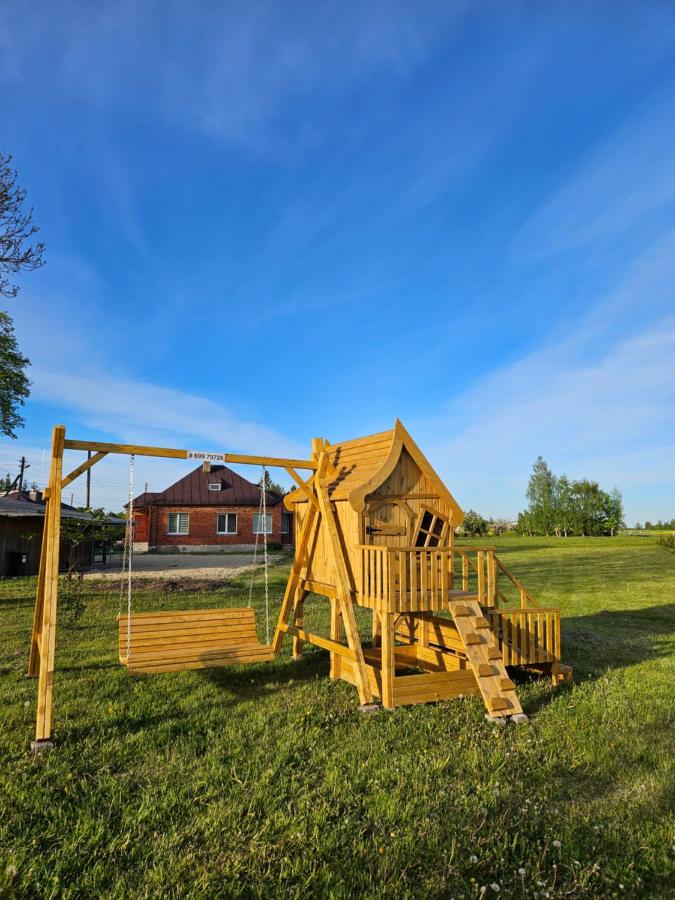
<point x="374" y="527"/>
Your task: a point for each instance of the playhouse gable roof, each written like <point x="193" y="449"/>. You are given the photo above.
<point x="363" y="464"/>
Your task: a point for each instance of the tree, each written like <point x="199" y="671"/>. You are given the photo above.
<point x="14" y="385"/>
<point x="17" y="252"/>
<point x="563" y="507"/>
<point x="272" y="485"/>
<point x="613" y="509"/>
<point x="540" y="493"/>
<point x="75" y="533"/>
<point x="474" y="524"/>
<point x="588" y="504"/>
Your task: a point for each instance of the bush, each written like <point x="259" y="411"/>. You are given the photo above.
<point x="668" y="541"/>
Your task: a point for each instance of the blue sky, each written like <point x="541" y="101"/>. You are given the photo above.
<point x="271" y="221"/>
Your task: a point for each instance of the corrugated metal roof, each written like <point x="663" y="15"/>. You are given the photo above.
<point x="14" y="508"/>
<point x="193" y="490"/>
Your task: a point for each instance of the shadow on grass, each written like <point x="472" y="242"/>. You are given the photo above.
<point x="618" y="638"/>
<point x="312" y="664"/>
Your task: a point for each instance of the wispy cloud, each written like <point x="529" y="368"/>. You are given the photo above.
<point x="130" y="407"/>
<point x="234" y="69"/>
<point x="629" y="177"/>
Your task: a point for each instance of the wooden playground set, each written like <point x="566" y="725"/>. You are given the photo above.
<point x="374" y="527"/>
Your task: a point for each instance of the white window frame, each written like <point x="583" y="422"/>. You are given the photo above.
<point x="215" y="486"/>
<point x="178" y="516"/>
<point x="256" y="523"/>
<point x="228" y="514"/>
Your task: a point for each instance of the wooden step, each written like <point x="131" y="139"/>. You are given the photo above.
<point x="485" y="659"/>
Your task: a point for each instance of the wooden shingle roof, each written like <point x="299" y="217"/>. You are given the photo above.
<point x="363" y="464"/>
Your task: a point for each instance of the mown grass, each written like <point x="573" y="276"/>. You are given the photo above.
<point x="267" y="781"/>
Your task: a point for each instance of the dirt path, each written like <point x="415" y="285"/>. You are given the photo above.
<point x="214" y="566"/>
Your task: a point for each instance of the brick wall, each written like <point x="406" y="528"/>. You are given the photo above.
<point x="203" y="526"/>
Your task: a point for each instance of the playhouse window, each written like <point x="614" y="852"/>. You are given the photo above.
<point x="260" y="526"/>
<point x="431" y="529"/>
<point x="179" y="523"/>
<point x="227" y="523"/>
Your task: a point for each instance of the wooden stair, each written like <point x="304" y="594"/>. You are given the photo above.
<point x="485" y="658"/>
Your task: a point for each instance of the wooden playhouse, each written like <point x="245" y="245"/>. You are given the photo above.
<point x="376" y="524"/>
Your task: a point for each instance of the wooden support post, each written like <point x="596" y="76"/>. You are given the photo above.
<point x="480" y="564"/>
<point x="344" y="586"/>
<point x="377" y="629"/>
<point x="423" y="630"/>
<point x="388" y="666"/>
<point x="293" y="578"/>
<point x="34" y="659"/>
<point x="298" y="619"/>
<point x="50" y="580"/>
<point x="335" y="635"/>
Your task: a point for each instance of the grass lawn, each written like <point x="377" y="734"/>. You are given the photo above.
<point x="267" y="781"/>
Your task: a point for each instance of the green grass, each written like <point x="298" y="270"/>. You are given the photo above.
<point x="267" y="781"/>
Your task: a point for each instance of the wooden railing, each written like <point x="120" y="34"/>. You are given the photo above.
<point x="527" y="635"/>
<point x="410" y="579"/>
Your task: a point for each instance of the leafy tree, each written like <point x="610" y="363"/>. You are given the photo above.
<point x="272" y="485"/>
<point x="540" y="493"/>
<point x="17" y="252"/>
<point x="75" y="533"/>
<point x="563" y="506"/>
<point x="14" y="385"/>
<point x="474" y="524"/>
<point x="613" y="510"/>
<point x="524" y="524"/>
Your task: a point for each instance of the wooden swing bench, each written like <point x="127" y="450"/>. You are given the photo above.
<point x="191" y="639"/>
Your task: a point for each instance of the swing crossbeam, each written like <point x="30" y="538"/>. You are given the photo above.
<point x="190" y="639"/>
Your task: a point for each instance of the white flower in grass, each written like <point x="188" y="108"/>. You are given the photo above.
<point x="473" y="859"/>
<point x="10" y="871"/>
<point x="495" y="887"/>
<point x="557" y="845"/>
<point x="521" y="872"/>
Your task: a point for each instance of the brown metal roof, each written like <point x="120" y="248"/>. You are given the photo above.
<point x="193" y="490"/>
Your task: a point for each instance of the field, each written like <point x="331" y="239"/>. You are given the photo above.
<point x="267" y="781"/>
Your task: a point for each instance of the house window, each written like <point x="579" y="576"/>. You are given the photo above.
<point x="431" y="529"/>
<point x="286" y="523"/>
<point x="214" y="485"/>
<point x="227" y="523"/>
<point x="258" y="523"/>
<point x="179" y="523"/>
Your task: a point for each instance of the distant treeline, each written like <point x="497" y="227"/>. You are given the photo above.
<point x="560" y="506"/>
<point x="658" y="526"/>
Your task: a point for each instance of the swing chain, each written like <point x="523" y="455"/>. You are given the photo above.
<point x="262" y="522"/>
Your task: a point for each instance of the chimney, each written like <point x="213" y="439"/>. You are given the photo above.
<point x="35" y="496"/>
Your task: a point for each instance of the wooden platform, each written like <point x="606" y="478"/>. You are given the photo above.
<point x="195" y="639"/>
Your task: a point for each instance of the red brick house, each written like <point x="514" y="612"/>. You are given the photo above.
<point x="209" y="510"/>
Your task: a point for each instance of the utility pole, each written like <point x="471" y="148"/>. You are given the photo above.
<point x="88" y="503"/>
<point x="23" y="466"/>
